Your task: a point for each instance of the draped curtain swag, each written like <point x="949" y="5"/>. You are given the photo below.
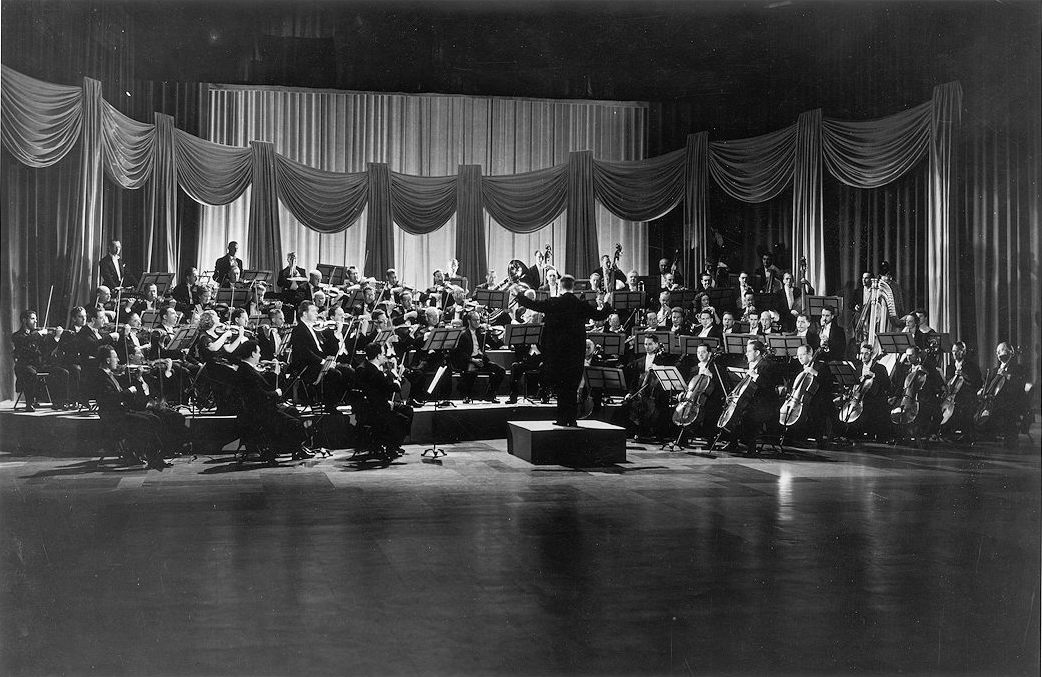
<point x="41" y="122"/>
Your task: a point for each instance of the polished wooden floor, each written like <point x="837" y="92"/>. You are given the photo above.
<point x="869" y="560"/>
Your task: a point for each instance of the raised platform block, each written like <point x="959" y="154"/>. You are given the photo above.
<point x="543" y="443"/>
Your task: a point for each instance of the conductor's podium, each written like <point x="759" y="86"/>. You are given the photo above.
<point x="543" y="443"/>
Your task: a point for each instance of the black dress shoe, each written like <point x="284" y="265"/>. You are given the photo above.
<point x="415" y="404"/>
<point x="467" y="400"/>
<point x="566" y="424"/>
<point x="512" y="399"/>
<point x="492" y="400"/>
<point x="302" y="455"/>
<point x="29" y="407"/>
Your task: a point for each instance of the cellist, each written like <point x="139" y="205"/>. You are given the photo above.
<point x="760" y="413"/>
<point x="872" y="388"/>
<point x="641" y="411"/>
<point x="1002" y="395"/>
<point x="964" y="374"/>
<point x="914" y="380"/>
<point x="714" y="400"/>
<point x="816" y="420"/>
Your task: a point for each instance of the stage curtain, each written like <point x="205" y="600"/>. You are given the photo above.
<point x="422" y="204"/>
<point x="211" y="173"/>
<point x="162" y="237"/>
<point x="581" y="226"/>
<point x="41" y="121"/>
<point x="526" y="202"/>
<point x="128" y="148"/>
<point x="754" y="169"/>
<point x="85" y="238"/>
<point x="325" y="201"/>
<point x="696" y="171"/>
<point x="470" y="224"/>
<point x="379" y="237"/>
<point x="944" y="128"/>
<point x="641" y="190"/>
<point x="263" y="242"/>
<point x="871" y="153"/>
<point x="807" y="238"/>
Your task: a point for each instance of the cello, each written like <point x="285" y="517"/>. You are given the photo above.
<point x="804" y="387"/>
<point x="906" y="412"/>
<point x="738" y="400"/>
<point x="994" y="382"/>
<point x="951" y="394"/>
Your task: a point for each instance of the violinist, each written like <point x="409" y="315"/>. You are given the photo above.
<point x="186" y="293"/>
<point x="150" y="301"/>
<point x="256" y="304"/>
<point x="831" y="337"/>
<point x="269" y="336"/>
<point x="103" y="301"/>
<point x="160" y="430"/>
<point x="93" y="336"/>
<point x="469" y="359"/>
<point x="440" y="290"/>
<point x="405" y="313"/>
<point x="214" y="348"/>
<point x="352" y="279"/>
<point x="1001" y="397"/>
<point x="379" y="380"/>
<point x="129" y="344"/>
<point x="263" y="407"/>
<point x="916" y="386"/>
<point x="308" y="359"/>
<point x="33" y="351"/>
<point x="962" y="380"/>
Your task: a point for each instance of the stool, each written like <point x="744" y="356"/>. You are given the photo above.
<point x="41" y="376"/>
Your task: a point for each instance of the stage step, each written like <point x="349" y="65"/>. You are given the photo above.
<point x="543" y="443"/>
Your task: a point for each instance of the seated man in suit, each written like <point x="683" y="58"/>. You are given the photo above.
<point x="34" y="352"/>
<point x="379" y="381"/>
<point x="309" y="360"/>
<point x="186" y="293"/>
<point x="807" y="331"/>
<point x="469" y="358"/>
<point x="263" y="407"/>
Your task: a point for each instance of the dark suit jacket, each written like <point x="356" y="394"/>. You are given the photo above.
<point x="635" y="370"/>
<point x="970" y="373"/>
<point x="812" y="338"/>
<point x="266" y="341"/>
<point x="564" y="326"/>
<point x="837" y="343"/>
<point x="185" y="297"/>
<point x="88" y="346"/>
<point x="465" y="347"/>
<point x="111" y="276"/>
<point x="221" y="267"/>
<point x="295" y="271"/>
<point x="306" y="352"/>
<point x="258" y="397"/>
<point x="715" y="331"/>
<point x="377" y="387"/>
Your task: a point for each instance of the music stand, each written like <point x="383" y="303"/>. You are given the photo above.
<point x="816" y="303"/>
<point x="162" y="281"/>
<point x="734" y="344"/>
<point x="433" y="450"/>
<point x="894" y="342"/>
<point x="628" y="300"/>
<point x="352" y="298"/>
<point x="683" y="297"/>
<point x="607" y="379"/>
<point x="779" y="344"/>
<point x="669" y="378"/>
<point x="227" y="296"/>
<point x="722" y="298"/>
<point x="149" y="318"/>
<point x="384" y="336"/>
<point x="492" y="298"/>
<point x="183" y="338"/>
<point x="612" y="343"/>
<point x="638" y="334"/>
<point x="689" y="344"/>
<point x="442" y="338"/>
<point x="765" y="302"/>
<point x="844" y="374"/>
<point x="523" y="334"/>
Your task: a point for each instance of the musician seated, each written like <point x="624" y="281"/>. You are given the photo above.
<point x="595" y="281"/>
<point x="665" y="268"/>
<point x="707" y="328"/>
<point x="490" y="280"/>
<point x="264" y="409"/>
<point x="1002" y="396"/>
<point x="960" y="423"/>
<point x="129" y="343"/>
<point x="664" y="309"/>
<point x="706" y="365"/>
<point x="352" y="278"/>
<point x="270" y="337"/>
<point x="761" y="414"/>
<point x="185" y="294"/>
<point x="670" y="283"/>
<point x="307" y="291"/>
<point x="651" y="320"/>
<point x="321" y="302"/>
<point x="806" y="331"/>
<point x="257" y="301"/>
<point x="150" y="301"/>
<point x="103" y="300"/>
<point x="379" y="382"/>
<point x="67" y="356"/>
<point x="232" y="279"/>
<point x="528" y="362"/>
<point x="678" y="325"/>
<point x="874" y="386"/>
<point x="642" y="410"/>
<point x="405" y="313"/>
<point x="439" y="292"/>
<point x="768" y="320"/>
<point x="818" y="412"/>
<point x="393" y="285"/>
<point x="915" y="382"/>
<point x="96" y="333"/>
<point x="141" y="420"/>
<point x="310" y="363"/>
<point x="470" y="360"/>
<point x="33" y="352"/>
<point x="214" y="348"/>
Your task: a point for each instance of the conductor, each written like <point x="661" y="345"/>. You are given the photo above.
<point x="564" y="342"/>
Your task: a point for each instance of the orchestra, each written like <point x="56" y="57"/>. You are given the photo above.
<point x="246" y="355"/>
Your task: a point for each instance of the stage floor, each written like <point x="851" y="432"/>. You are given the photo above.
<point x="874" y="560"/>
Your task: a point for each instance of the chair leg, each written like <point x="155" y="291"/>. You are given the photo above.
<point x="16" y="401"/>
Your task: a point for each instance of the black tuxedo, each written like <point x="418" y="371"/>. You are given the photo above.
<point x="564" y="339"/>
<point x="781" y="303"/>
<point x="185" y="297"/>
<point x="283" y="282"/>
<point x="307" y="358"/>
<point x="269" y="341"/>
<point x="32" y="351"/>
<point x="390" y="424"/>
<point x="836" y="346"/>
<point x="112" y="275"/>
<point x="460" y="360"/>
<point x="221" y="267"/>
<point x="124" y="409"/>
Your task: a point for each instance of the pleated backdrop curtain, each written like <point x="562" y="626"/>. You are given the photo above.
<point x="326" y="144"/>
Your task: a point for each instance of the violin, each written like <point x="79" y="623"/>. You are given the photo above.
<point x="804" y="387"/>
<point x="738" y="400"/>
